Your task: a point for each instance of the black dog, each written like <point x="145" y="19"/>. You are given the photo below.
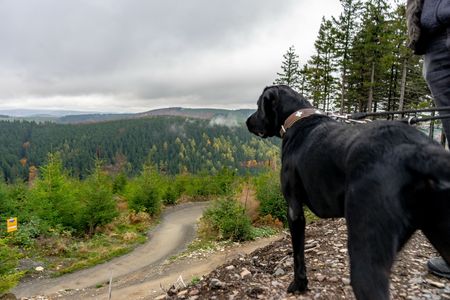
<point x="386" y="178"/>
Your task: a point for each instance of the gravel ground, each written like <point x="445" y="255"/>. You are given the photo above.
<point x="267" y="272"/>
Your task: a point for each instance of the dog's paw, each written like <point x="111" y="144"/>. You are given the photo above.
<point x="298" y="286"/>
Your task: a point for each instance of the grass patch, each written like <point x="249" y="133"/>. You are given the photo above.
<point x="263" y="232"/>
<point x="95" y="259"/>
<point x="68" y="254"/>
<point x="8" y="281"/>
<point x="195" y="280"/>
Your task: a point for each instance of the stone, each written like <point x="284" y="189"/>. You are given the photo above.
<point x="8" y="296"/>
<point x="346" y="281"/>
<point x="39" y="269"/>
<point x="229" y="268"/>
<point x="436" y="283"/>
<point x="245" y="273"/>
<point x="333" y="279"/>
<point x="320" y="277"/>
<point x="279" y="272"/>
<point x="194" y="292"/>
<point x="215" y="283"/>
<point x="276" y="284"/>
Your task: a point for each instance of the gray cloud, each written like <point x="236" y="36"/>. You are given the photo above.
<point x="139" y="54"/>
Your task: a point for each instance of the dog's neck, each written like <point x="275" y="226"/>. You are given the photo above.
<point x="297" y="116"/>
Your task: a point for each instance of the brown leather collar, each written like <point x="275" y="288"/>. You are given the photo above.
<point x="296" y="116"/>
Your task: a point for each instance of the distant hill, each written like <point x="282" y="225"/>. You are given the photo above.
<point x="218" y="116"/>
<point x="238" y="116"/>
<point x="49" y="113"/>
<point x="92" y="118"/>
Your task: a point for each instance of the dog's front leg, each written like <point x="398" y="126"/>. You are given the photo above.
<point x="296" y="220"/>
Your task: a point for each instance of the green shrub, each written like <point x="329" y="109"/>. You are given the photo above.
<point x="9" y="260"/>
<point x="171" y="194"/>
<point x="144" y="193"/>
<point x="204" y="184"/>
<point x="14" y="201"/>
<point x="268" y="192"/>
<point x="27" y="232"/>
<point x="227" y="217"/>
<point x="98" y="205"/>
<point x="119" y="183"/>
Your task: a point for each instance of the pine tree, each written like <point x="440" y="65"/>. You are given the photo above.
<point x="322" y="68"/>
<point x="99" y="207"/>
<point x="367" y="70"/>
<point x="290" y="74"/>
<point x="344" y="30"/>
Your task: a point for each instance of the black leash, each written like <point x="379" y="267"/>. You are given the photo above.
<point x="362" y="115"/>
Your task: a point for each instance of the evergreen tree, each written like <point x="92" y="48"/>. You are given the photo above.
<point x="369" y="47"/>
<point x="290" y="74"/>
<point x="322" y="68"/>
<point x="344" y="30"/>
<point x="98" y="205"/>
<point x="53" y="198"/>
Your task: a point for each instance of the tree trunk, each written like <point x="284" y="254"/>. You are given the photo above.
<point x="341" y="111"/>
<point x="372" y="80"/>
<point x="402" y="87"/>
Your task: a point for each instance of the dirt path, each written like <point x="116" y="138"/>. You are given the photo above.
<point x="147" y="283"/>
<point x="176" y="230"/>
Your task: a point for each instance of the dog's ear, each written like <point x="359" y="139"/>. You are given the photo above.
<point x="269" y="99"/>
<point x="268" y="107"/>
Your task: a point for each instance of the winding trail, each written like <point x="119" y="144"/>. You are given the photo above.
<point x="175" y="231"/>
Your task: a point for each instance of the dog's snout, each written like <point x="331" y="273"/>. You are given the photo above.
<point x="249" y="121"/>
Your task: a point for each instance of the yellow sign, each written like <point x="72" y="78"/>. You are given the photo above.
<point x="11" y="224"/>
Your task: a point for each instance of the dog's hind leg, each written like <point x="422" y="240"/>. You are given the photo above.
<point x="435" y="222"/>
<point x="375" y="234"/>
<point x="296" y="220"/>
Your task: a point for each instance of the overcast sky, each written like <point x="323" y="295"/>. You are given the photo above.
<point x="137" y="55"/>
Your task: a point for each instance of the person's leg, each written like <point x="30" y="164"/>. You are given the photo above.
<point x="437" y="73"/>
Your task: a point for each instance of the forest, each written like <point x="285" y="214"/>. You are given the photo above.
<point x="174" y="144"/>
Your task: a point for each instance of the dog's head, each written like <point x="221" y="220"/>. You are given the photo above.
<point x="275" y="105"/>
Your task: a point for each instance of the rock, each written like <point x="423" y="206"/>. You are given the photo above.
<point x="8" y="296"/>
<point x="182" y="293"/>
<point x="288" y="263"/>
<point x="229" y="268"/>
<point x="346" y="281"/>
<point x="276" y="284"/>
<point x="320" y="277"/>
<point x="416" y="280"/>
<point x="279" y="272"/>
<point x="194" y="292"/>
<point x="333" y="279"/>
<point x="436" y="283"/>
<point x="245" y="273"/>
<point x="216" y="284"/>
<point x="194" y="298"/>
<point x="39" y="269"/>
